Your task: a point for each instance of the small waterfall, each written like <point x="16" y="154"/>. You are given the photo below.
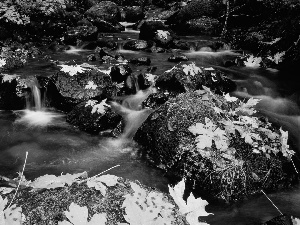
<point x="35" y="99"/>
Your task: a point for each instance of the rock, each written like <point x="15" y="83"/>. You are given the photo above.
<point x="189" y="77"/>
<point x="156" y="49"/>
<point x="107" y="27"/>
<point x="141" y="61"/>
<point x="183" y="151"/>
<point x="83" y="33"/>
<point x="163" y="38"/>
<point x="91" y="57"/>
<point x="135" y="45"/>
<point x="75" y="198"/>
<point x="200" y="26"/>
<point x="13" y="92"/>
<point x="280" y="220"/>
<point x="177" y="58"/>
<point x="178" y="44"/>
<point x="105" y="10"/>
<point x="148" y="29"/>
<point x="196" y="9"/>
<point x="65" y="91"/>
<point x="119" y="73"/>
<point x="93" y="116"/>
<point x="13" y="58"/>
<point x="133" y="13"/>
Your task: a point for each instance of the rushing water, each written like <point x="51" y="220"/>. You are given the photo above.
<point x="55" y="147"/>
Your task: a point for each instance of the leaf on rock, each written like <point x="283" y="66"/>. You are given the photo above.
<point x="193" y="208"/>
<point x="144" y="208"/>
<point x="78" y="215"/>
<point x="229" y="98"/>
<point x="10" y="216"/>
<point x="52" y="181"/>
<point x="6" y="190"/>
<point x="248" y="107"/>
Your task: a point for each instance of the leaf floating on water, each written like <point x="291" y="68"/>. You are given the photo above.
<point x="193" y="208"/>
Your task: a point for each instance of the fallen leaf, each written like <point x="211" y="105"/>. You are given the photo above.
<point x="193" y="208"/>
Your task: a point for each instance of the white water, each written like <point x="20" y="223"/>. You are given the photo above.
<point x="73" y="50"/>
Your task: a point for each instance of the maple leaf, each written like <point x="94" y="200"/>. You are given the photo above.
<point x="229" y="98"/>
<point x="191" y="69"/>
<point x="98" y="182"/>
<point x="52" y="181"/>
<point x="284" y="145"/>
<point x="253" y="61"/>
<point x="144" y="208"/>
<point x="91" y="85"/>
<point x="192" y="208"/>
<point x="78" y="215"/>
<point x="10" y="216"/>
<point x="248" y="107"/>
<point x="208" y="133"/>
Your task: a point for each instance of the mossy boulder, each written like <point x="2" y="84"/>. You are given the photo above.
<point x="189" y="77"/>
<point x="105" y="10"/>
<point x="117" y="201"/>
<point x="13" y="92"/>
<point x="93" y="116"/>
<point x="67" y="89"/>
<point x="190" y="136"/>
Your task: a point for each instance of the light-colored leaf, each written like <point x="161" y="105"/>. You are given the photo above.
<point x="6" y="190"/>
<point x="97" y="185"/>
<point x="193" y="208"/>
<point x="77" y="215"/>
<point x="52" y="181"/>
<point x="229" y="98"/>
<point x="98" y="219"/>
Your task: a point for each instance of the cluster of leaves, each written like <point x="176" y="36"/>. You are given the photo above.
<point x="140" y="205"/>
<point x="99" y="108"/>
<point x="213" y="139"/>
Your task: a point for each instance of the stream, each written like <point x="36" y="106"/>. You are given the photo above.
<point x="56" y="147"/>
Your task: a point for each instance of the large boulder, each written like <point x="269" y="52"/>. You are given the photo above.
<point x="136" y="45"/>
<point x="217" y="145"/>
<point x="13" y="92"/>
<point x="76" y="84"/>
<point x="106" y="10"/>
<point x="93" y="116"/>
<point x="107" y="26"/>
<point x="200" y="26"/>
<point x="196" y="9"/>
<point x="149" y="28"/>
<point x="189" y="77"/>
<point x="83" y="33"/>
<point x="133" y="13"/>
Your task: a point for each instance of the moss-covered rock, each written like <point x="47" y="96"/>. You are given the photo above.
<point x="118" y="203"/>
<point x="202" y="137"/>
<point x="188" y="77"/>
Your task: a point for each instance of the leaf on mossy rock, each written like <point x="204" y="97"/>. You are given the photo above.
<point x="98" y="182"/>
<point x="52" y="181"/>
<point x="147" y="208"/>
<point x="192" y="208"/>
<point x="78" y="215"/>
<point x="10" y="216"/>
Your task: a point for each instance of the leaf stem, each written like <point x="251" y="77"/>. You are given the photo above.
<point x="271" y="202"/>
<point x="19" y="181"/>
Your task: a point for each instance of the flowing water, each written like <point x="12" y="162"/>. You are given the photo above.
<point x="55" y="147"/>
